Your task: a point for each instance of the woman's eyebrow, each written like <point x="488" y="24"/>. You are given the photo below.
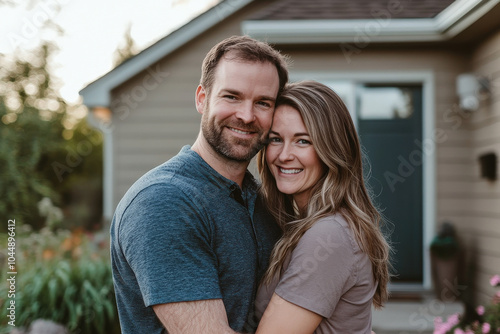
<point x="298" y="134"/>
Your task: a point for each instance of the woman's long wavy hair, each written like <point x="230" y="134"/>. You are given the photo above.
<point x="341" y="188"/>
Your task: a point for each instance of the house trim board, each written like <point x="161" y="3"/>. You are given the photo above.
<point x="107" y="164"/>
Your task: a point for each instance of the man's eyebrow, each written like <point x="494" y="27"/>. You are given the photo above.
<point x="230" y="91"/>
<point x="267" y="98"/>
<point x="237" y="93"/>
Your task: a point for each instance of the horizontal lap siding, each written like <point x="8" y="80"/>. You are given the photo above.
<point x="153" y="130"/>
<point x="483" y="223"/>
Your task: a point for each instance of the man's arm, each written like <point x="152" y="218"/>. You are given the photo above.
<point x="194" y="317"/>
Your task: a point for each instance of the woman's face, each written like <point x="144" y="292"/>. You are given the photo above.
<point x="291" y="156"/>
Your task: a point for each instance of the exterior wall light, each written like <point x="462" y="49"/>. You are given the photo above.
<point x="471" y="89"/>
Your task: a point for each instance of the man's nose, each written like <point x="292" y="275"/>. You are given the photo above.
<point x="245" y="112"/>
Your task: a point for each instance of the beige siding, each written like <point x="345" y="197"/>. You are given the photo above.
<point x="482" y="224"/>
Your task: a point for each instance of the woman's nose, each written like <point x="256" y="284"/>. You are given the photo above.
<point x="286" y="153"/>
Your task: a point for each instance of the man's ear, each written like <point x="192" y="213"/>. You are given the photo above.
<point x="201" y="96"/>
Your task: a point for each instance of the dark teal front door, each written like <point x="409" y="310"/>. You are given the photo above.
<point x="390" y="129"/>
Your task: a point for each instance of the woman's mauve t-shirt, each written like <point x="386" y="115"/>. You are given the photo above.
<point x="327" y="273"/>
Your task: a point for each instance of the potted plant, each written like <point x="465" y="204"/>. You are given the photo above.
<point x="445" y="249"/>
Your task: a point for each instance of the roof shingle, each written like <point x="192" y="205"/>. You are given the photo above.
<point x="350" y="9"/>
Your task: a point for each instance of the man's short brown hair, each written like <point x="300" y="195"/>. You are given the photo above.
<point x="243" y="48"/>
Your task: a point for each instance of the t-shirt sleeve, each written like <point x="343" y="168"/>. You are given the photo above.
<point x="321" y="268"/>
<point x="166" y="240"/>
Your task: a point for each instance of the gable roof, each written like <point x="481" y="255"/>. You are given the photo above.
<point x="337" y="21"/>
<point x="344" y="10"/>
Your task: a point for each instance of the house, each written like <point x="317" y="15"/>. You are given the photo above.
<point x="421" y="79"/>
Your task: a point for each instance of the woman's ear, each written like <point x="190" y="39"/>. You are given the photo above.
<point x="200" y="98"/>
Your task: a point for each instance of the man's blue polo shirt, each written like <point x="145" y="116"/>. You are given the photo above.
<point x="183" y="232"/>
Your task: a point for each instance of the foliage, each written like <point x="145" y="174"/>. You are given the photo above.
<point x="22" y="187"/>
<point x="19" y="156"/>
<point x="488" y="318"/>
<point x="127" y="50"/>
<point x="39" y="133"/>
<point x="64" y="277"/>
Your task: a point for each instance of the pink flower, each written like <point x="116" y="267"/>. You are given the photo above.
<point x="441" y="327"/>
<point x="495" y="280"/>
<point x="486" y="327"/>
<point x="480" y="310"/>
<point x="453" y="319"/>
<point x="458" y="331"/>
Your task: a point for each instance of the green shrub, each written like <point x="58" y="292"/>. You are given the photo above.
<point x="64" y="277"/>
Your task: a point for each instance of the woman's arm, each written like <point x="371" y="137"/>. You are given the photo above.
<point x="282" y="316"/>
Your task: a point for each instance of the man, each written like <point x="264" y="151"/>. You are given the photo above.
<point x="190" y="240"/>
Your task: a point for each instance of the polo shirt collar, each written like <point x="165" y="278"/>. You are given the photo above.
<point x="249" y="183"/>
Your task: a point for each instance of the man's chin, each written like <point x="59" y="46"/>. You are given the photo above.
<point x="241" y="153"/>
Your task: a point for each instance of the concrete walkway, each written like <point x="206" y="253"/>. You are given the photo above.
<point x="411" y="317"/>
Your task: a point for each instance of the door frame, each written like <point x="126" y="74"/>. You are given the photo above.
<point x="426" y="79"/>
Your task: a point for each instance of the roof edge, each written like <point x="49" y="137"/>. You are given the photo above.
<point x="447" y="24"/>
<point x="98" y="93"/>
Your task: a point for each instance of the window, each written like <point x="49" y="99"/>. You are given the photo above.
<point x="384" y="102"/>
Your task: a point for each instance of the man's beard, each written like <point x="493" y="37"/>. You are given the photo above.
<point x="235" y="149"/>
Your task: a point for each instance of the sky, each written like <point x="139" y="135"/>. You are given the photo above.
<point x="92" y="31"/>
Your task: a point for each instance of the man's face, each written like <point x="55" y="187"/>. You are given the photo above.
<point x="238" y="112"/>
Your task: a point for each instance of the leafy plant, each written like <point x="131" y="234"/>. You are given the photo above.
<point x="64" y="277"/>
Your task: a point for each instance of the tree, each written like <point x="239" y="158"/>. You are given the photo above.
<point x="39" y="132"/>
<point x="127" y="50"/>
<point x="30" y="128"/>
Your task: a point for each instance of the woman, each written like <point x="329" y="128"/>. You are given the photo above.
<point x="331" y="264"/>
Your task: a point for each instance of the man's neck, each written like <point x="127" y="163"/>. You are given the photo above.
<point x="230" y="169"/>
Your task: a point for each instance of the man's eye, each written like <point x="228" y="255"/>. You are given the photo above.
<point x="230" y="97"/>
<point x="264" y="104"/>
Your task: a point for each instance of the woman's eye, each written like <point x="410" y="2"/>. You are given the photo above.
<point x="304" y="141"/>
<point x="274" y="140"/>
